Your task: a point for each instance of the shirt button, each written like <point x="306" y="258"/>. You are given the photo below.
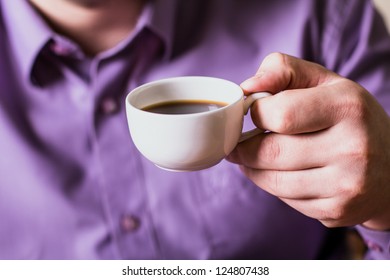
<point x="59" y="49"/>
<point x="109" y="106"/>
<point x="374" y="246"/>
<point x="129" y="223"/>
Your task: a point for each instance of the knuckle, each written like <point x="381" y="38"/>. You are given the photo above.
<point x="357" y="159"/>
<point x="271" y="149"/>
<point x="330" y="223"/>
<point x="285" y="119"/>
<point x="345" y="210"/>
<point x="334" y="217"/>
<point x="358" y="147"/>
<point x="279" y="61"/>
<point x="336" y="214"/>
<point x="355" y="103"/>
<point x="275" y="58"/>
<point x="341" y="218"/>
<point x="350" y="190"/>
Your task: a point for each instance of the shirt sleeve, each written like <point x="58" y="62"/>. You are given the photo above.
<point x="377" y="242"/>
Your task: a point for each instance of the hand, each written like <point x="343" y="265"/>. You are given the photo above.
<point x="328" y="152"/>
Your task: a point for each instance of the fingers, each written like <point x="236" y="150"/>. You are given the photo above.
<point x="274" y="151"/>
<point x="296" y="185"/>
<point x="306" y="110"/>
<point x="325" y="147"/>
<point x="327" y="211"/>
<point x="279" y="72"/>
<point x="309" y="98"/>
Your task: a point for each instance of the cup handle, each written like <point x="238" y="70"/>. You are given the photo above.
<point x="249" y="100"/>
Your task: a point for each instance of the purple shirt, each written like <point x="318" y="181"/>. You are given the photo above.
<point x="72" y="184"/>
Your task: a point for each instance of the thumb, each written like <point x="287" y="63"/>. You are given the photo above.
<point x="280" y="72"/>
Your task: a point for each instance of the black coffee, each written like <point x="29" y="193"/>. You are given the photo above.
<point x="184" y="107"/>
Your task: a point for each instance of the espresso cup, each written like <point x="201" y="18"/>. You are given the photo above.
<point x="188" y="123"/>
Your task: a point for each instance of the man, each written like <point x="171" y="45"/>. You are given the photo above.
<point x="73" y="186"/>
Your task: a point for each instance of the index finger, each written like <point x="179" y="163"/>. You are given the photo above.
<point x="297" y="111"/>
<point x="309" y="97"/>
<point x="280" y="72"/>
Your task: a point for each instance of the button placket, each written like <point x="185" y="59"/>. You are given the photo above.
<point x="374" y="246"/>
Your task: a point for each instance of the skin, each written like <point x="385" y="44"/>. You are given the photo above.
<point x="96" y="25"/>
<point x="328" y="154"/>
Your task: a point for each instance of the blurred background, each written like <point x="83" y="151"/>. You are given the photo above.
<point x="384" y="8"/>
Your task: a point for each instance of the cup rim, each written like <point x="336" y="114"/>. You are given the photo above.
<point x="172" y="79"/>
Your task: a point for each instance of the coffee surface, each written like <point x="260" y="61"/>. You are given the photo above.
<point x="184" y="107"/>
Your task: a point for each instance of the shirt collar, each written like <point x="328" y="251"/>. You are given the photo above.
<point x="162" y="21"/>
<point x="27" y="32"/>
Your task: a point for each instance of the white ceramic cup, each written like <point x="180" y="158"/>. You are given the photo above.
<point x="194" y="141"/>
